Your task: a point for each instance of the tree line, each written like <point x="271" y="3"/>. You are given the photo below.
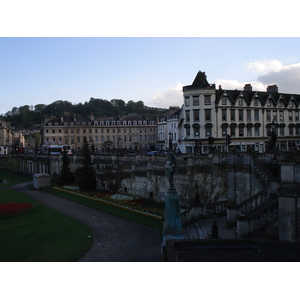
<point x="25" y="117"/>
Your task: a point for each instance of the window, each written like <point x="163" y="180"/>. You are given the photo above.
<point x="249" y="131"/>
<point x="208" y="131"/>
<point x="107" y="122"/>
<point x="248" y="115"/>
<point x="187" y="116"/>
<point x="207" y="99"/>
<point x="268" y="116"/>
<point x="53" y="130"/>
<point x="275" y="115"/>
<point x="224" y="100"/>
<point x="290" y="116"/>
<point x="241" y="115"/>
<point x="196" y="100"/>
<point x="241" y="131"/>
<point x="256" y="131"/>
<point x="296" y="116"/>
<point x="96" y="130"/>
<point x="207" y="115"/>
<point x="224" y="115"/>
<point x="232" y="115"/>
<point x="187" y="101"/>
<point x="269" y="103"/>
<point x="281" y="116"/>
<point x="96" y="123"/>
<point x="240" y="102"/>
<point x="196" y="115"/>
<point x="281" y="130"/>
<point x="255" y="102"/>
<point x="291" y="130"/>
<point x="90" y="130"/>
<point x="256" y="115"/>
<point x="291" y="104"/>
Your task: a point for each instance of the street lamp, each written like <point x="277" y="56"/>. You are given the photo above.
<point x="170" y="141"/>
<point x="214" y="228"/>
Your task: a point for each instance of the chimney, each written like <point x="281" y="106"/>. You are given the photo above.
<point x="248" y="87"/>
<point x="220" y="87"/>
<point x="272" y="88"/>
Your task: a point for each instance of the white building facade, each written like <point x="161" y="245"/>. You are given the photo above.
<point x="250" y="118"/>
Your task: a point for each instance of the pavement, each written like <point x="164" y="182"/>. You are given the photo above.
<point x="115" y="239"/>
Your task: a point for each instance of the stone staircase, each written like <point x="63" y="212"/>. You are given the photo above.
<point x="195" y="231"/>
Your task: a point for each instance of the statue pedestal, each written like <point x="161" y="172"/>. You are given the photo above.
<point x="172" y="225"/>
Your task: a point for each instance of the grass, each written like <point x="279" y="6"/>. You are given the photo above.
<point x="12" y="179"/>
<point x="154" y="223"/>
<point x="41" y="235"/>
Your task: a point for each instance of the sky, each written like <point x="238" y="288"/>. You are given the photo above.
<point x="41" y="70"/>
<point x="69" y="51"/>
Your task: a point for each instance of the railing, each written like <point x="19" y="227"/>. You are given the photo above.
<point x="249" y="224"/>
<point x="253" y="202"/>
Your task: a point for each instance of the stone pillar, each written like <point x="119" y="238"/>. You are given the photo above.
<point x="172" y="225"/>
<point x="242" y="226"/>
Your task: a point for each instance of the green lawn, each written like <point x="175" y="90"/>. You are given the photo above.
<point x="41" y="235"/>
<point x="152" y="222"/>
<point x="12" y="179"/>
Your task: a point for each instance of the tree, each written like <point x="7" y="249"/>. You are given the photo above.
<point x="66" y="176"/>
<point x="85" y="175"/>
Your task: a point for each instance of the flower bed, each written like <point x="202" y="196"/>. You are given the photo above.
<point x="9" y="209"/>
<point x="135" y="204"/>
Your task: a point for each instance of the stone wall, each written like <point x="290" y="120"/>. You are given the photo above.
<point x="200" y="179"/>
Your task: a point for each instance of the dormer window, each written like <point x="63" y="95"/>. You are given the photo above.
<point x="49" y="124"/>
<point x="56" y="124"/>
<point x="107" y="122"/>
<point x="65" y="123"/>
<point x="89" y="123"/>
<point x="96" y="123"/>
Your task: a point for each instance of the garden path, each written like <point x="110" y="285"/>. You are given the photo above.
<point x="115" y="239"/>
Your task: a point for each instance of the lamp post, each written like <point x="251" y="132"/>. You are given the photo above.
<point x="214" y="227"/>
<point x="170" y="141"/>
<point x="273" y="136"/>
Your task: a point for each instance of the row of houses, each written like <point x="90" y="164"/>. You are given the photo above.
<point x="209" y="118"/>
<point x="9" y="138"/>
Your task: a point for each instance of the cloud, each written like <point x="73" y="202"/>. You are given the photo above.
<point x="286" y="77"/>
<point x="171" y="96"/>
<point x="265" y="66"/>
<point x="234" y="84"/>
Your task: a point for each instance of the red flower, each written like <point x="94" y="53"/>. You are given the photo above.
<point x="7" y="209"/>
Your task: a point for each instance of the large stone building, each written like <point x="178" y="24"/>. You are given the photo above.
<point x="249" y="118"/>
<point x="130" y="132"/>
<point x="6" y="137"/>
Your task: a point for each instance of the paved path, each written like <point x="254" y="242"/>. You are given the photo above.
<point x="115" y="239"/>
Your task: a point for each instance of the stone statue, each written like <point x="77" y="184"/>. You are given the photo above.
<point x="172" y="168"/>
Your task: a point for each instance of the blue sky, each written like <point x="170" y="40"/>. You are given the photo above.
<point x="132" y="50"/>
<point x="45" y="69"/>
